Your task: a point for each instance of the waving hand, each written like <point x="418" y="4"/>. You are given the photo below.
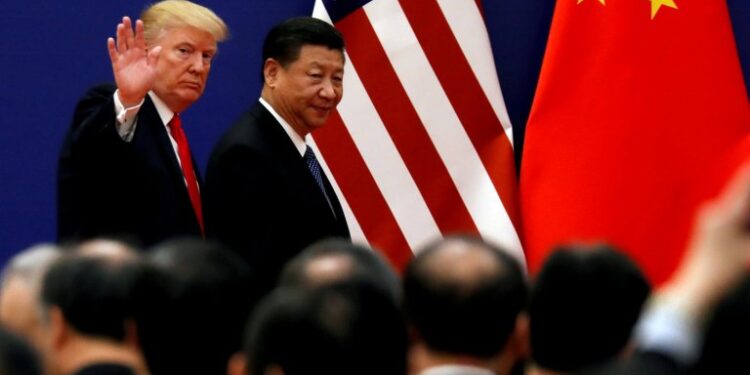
<point x="134" y="66"/>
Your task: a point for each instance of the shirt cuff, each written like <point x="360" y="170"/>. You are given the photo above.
<point x="126" y="117"/>
<point x="667" y="329"/>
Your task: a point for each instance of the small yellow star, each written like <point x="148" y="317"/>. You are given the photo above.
<point x="601" y="1"/>
<point x="656" y="4"/>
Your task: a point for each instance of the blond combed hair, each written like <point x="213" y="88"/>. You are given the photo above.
<point x="168" y="14"/>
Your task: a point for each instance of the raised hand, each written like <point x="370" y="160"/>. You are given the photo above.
<point x="133" y="66"/>
<point x="718" y="255"/>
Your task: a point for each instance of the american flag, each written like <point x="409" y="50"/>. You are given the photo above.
<point x="421" y="145"/>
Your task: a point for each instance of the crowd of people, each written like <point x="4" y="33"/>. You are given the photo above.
<point x="462" y="306"/>
<point x="253" y="272"/>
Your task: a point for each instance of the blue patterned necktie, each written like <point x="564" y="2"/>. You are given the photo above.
<point x="314" y="167"/>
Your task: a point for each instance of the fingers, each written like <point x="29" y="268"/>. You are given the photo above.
<point x="112" y="50"/>
<point x="736" y="197"/>
<point x="121" y="43"/>
<point x="129" y="37"/>
<point x="140" y="38"/>
<point x="731" y="209"/>
<point x="126" y="39"/>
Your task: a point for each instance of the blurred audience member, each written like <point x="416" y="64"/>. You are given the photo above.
<point x="332" y="261"/>
<point x="462" y="298"/>
<point x="340" y="329"/>
<point x="88" y="303"/>
<point x="17" y="357"/>
<point x="19" y="295"/>
<point x="198" y="301"/>
<point x="583" y="306"/>
<point x="671" y="330"/>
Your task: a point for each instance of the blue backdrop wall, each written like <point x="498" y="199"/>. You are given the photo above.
<point x="52" y="51"/>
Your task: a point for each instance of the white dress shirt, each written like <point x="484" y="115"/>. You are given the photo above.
<point x="127" y="119"/>
<point x="456" y="370"/>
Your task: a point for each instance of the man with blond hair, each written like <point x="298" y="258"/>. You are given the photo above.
<point x="126" y="170"/>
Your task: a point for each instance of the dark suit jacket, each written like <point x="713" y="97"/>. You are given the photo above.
<point x="261" y="199"/>
<point x="109" y="187"/>
<point x="640" y="363"/>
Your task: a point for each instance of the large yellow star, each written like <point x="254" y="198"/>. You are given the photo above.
<point x="601" y="1"/>
<point x="656" y="4"/>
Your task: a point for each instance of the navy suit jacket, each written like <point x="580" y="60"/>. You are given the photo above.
<point x="108" y="187"/>
<point x="261" y="199"/>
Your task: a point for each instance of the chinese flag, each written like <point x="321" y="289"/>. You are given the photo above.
<point x="637" y="104"/>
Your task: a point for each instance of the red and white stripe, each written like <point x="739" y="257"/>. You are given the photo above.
<point x="421" y="144"/>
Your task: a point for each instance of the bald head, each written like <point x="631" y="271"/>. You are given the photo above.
<point x="463" y="263"/>
<point x="328" y="269"/>
<point x="110" y="249"/>
<point x="330" y="261"/>
<point x="31" y="263"/>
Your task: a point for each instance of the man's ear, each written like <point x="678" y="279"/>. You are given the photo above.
<point x="59" y="330"/>
<point x="521" y="336"/>
<point x="131" y="335"/>
<point x="274" y="370"/>
<point x="237" y="364"/>
<point x="271" y="69"/>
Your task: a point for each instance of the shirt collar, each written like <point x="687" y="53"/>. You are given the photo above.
<point x="456" y="369"/>
<point x="298" y="141"/>
<point x="165" y="114"/>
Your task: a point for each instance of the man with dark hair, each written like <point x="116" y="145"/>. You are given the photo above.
<point x="463" y="297"/>
<point x="339" y="329"/>
<point x="331" y="261"/>
<point x="266" y="195"/>
<point x="88" y="304"/>
<point x="727" y="326"/>
<point x="583" y="306"/>
<point x="200" y="285"/>
<point x="17" y="357"/>
<point x="705" y="297"/>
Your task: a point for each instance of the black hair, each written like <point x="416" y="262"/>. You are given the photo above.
<point x="347" y="328"/>
<point x="468" y="317"/>
<point x="727" y="326"/>
<point x="583" y="306"/>
<point x="94" y="293"/>
<point x="284" y="41"/>
<point x="197" y="289"/>
<point x="17" y="357"/>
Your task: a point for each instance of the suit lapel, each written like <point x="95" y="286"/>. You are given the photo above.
<point x="296" y="167"/>
<point x="150" y="130"/>
<point x="335" y="205"/>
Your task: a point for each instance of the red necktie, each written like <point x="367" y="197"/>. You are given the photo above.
<point x="183" y="150"/>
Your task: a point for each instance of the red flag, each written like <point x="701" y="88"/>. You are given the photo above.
<point x="420" y="145"/>
<point x="636" y="102"/>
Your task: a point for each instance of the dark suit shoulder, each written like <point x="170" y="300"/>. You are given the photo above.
<point x="101" y="89"/>
<point x="93" y="100"/>
<point x="94" y="117"/>
<point x="256" y="134"/>
<point x="241" y="133"/>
